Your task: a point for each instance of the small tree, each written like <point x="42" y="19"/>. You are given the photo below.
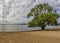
<point x="43" y="15"/>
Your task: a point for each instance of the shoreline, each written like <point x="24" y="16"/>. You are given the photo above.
<point x="31" y="37"/>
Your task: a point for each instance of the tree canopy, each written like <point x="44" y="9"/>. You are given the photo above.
<point x="43" y="15"/>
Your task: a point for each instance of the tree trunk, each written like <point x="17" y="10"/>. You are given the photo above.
<point x="43" y="28"/>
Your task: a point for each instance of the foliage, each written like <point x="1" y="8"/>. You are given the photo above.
<point x="43" y="15"/>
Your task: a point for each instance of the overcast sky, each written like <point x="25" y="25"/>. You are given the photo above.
<point x="54" y="3"/>
<point x="20" y="8"/>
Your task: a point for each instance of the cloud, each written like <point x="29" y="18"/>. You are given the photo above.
<point x="20" y="8"/>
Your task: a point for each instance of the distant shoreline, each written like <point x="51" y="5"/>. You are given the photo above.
<point x="13" y="24"/>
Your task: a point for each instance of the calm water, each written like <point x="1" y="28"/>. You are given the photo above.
<point x="12" y="28"/>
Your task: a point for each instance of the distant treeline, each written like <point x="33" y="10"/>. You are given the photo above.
<point x="14" y="24"/>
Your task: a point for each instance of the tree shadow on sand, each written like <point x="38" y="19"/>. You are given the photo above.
<point x="52" y="30"/>
<point x="43" y="30"/>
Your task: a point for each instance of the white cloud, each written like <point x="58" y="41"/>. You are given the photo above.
<point x="20" y="8"/>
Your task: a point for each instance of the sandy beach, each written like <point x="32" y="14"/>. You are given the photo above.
<point x="46" y="36"/>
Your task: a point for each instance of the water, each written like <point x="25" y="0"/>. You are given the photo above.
<point x="13" y="28"/>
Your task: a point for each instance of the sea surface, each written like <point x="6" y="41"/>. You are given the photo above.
<point x="13" y="28"/>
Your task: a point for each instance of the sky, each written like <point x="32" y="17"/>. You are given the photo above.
<point x="15" y="11"/>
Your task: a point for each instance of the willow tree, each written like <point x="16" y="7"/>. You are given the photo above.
<point x="43" y="15"/>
